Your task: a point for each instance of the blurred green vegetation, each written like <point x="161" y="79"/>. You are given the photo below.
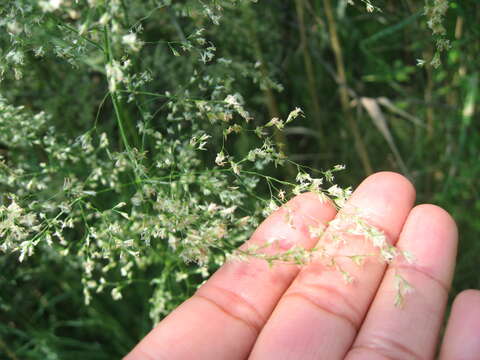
<point x="367" y="105"/>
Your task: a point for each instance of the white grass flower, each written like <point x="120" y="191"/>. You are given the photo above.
<point x="116" y="294"/>
<point x="294" y="114"/>
<point x="235" y="168"/>
<point x="220" y="159"/>
<point x="104" y="19"/>
<point x="15" y="57"/>
<point x="279" y="124"/>
<point x="50" y="5"/>
<point x="131" y="40"/>
<point x="180" y="276"/>
<point x="115" y="75"/>
<point x="14" y="28"/>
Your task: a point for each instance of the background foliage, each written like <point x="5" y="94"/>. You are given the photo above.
<point x="107" y="108"/>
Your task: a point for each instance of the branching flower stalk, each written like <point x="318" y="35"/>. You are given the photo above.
<point x="435" y="11"/>
<point x="334" y="239"/>
<point x="68" y="196"/>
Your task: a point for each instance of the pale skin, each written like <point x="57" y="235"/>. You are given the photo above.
<point x="247" y="310"/>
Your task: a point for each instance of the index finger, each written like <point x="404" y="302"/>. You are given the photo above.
<point x="224" y="317"/>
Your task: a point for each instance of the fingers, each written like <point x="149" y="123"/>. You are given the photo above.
<point x="411" y="330"/>
<point x="462" y="337"/>
<point x="223" y="319"/>
<point x="319" y="315"/>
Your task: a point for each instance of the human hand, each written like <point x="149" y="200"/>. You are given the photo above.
<point x="250" y="310"/>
